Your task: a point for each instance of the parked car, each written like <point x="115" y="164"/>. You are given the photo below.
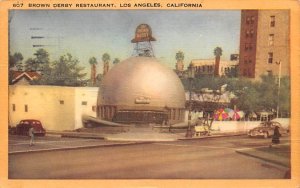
<point x="266" y="129"/>
<point x="23" y="127"/>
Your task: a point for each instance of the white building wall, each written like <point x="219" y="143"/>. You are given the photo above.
<point x="59" y="108"/>
<point x="85" y="99"/>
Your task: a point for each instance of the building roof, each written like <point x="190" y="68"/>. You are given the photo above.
<point x="28" y="75"/>
<point x="142" y="82"/>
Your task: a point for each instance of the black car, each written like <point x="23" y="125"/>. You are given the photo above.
<point x="23" y="127"/>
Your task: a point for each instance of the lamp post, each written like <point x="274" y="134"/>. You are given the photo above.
<point x="191" y="75"/>
<point x="278" y="92"/>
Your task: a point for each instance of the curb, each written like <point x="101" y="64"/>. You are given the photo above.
<point x="263" y="158"/>
<point x="106" y="137"/>
<point x="212" y="136"/>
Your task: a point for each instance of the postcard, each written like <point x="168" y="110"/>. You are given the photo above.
<point x="149" y="93"/>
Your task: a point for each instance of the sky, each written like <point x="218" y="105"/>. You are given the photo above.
<point x="91" y="33"/>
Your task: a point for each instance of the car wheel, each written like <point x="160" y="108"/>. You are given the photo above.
<point x="266" y="135"/>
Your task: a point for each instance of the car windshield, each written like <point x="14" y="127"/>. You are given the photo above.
<point x="265" y="124"/>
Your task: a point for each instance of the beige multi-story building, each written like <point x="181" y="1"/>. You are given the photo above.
<point x="207" y="66"/>
<point x="264" y="43"/>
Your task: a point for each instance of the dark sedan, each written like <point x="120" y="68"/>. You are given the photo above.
<point x="23" y="127"/>
<point x="266" y="129"/>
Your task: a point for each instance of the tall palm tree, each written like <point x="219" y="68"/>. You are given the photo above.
<point x="218" y="54"/>
<point x="105" y="59"/>
<point x="93" y="62"/>
<point x="179" y="58"/>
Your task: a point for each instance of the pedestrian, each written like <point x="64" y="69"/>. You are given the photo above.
<point x="31" y="134"/>
<point x="276" y="136"/>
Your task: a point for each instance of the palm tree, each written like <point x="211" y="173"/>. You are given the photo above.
<point x="93" y="62"/>
<point x="179" y="58"/>
<point x="218" y="54"/>
<point x="105" y="59"/>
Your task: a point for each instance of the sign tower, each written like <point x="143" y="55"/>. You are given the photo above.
<point x="142" y="39"/>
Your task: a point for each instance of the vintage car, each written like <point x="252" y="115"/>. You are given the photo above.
<point x="266" y="129"/>
<point x="23" y="127"/>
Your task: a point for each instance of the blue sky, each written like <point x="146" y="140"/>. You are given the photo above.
<point x="88" y="33"/>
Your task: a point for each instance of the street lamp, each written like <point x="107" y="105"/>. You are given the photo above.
<point x="278" y="92"/>
<point x="191" y="75"/>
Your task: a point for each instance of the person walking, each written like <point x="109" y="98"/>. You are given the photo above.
<point x="276" y="136"/>
<point x="31" y="134"/>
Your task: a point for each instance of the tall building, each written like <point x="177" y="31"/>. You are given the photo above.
<point x="264" y="43"/>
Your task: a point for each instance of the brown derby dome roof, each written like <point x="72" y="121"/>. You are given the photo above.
<point x="141" y="81"/>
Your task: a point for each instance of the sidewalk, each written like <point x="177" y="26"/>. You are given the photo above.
<point x="278" y="154"/>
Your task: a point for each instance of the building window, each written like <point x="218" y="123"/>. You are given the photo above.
<point x="272" y="21"/>
<point x="84" y="103"/>
<point x="249" y="73"/>
<point x="270" y="73"/>
<point x="250" y="20"/>
<point x="270" y="57"/>
<point x="251" y="33"/>
<point x="61" y="102"/>
<point x="247" y="33"/>
<point x="26" y="108"/>
<point x="174" y="114"/>
<point x="14" y="107"/>
<point x="245" y="59"/>
<point x="271" y="39"/>
<point x="245" y="72"/>
<point x="248" y="46"/>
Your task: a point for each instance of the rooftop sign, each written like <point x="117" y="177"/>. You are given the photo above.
<point x="143" y="33"/>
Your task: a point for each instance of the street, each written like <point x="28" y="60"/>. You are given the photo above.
<point x="211" y="158"/>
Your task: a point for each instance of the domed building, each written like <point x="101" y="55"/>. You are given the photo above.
<point x="141" y="90"/>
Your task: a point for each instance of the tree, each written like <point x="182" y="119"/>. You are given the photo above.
<point x="39" y="62"/>
<point x="105" y="59"/>
<point x="116" y="61"/>
<point x="93" y="62"/>
<point x="41" y="58"/>
<point x="250" y="95"/>
<point x="268" y="93"/>
<point x="218" y="54"/>
<point x="179" y="58"/>
<point x="15" y="60"/>
<point x="64" y="72"/>
<point x="30" y="65"/>
<point x="285" y="96"/>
